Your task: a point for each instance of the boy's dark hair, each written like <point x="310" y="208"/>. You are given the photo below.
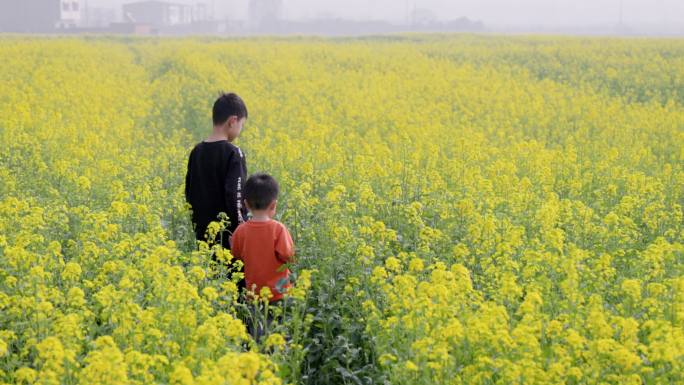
<point x="260" y="190"/>
<point x="226" y="106"/>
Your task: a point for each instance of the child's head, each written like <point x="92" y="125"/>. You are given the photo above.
<point x="229" y="114"/>
<point x="261" y="194"/>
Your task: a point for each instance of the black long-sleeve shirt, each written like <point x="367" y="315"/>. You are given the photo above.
<point x="213" y="184"/>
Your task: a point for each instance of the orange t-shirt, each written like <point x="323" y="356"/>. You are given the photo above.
<point x="264" y="246"/>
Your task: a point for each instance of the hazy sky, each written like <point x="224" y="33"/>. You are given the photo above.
<point x="492" y="12"/>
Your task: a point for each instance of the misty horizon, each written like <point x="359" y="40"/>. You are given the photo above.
<point x="533" y="13"/>
<point x="349" y="17"/>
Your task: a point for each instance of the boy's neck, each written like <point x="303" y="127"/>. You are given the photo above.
<point x="217" y="135"/>
<point x="260" y="217"/>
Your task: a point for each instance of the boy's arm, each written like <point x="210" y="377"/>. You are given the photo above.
<point x="284" y="246"/>
<point x="233" y="182"/>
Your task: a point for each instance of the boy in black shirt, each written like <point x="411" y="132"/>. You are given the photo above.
<point x="216" y="172"/>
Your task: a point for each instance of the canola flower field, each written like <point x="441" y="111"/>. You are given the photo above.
<point x="466" y="210"/>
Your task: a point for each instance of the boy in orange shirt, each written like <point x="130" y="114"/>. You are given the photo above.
<point x="263" y="244"/>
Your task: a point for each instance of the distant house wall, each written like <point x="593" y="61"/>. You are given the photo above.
<point x="29" y="15"/>
<point x="147" y="12"/>
<point x="157" y="13"/>
<point x="264" y="13"/>
<point x="179" y="14"/>
<point x="70" y="12"/>
<point x="39" y="15"/>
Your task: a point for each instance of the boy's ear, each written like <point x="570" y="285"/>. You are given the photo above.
<point x="232" y="120"/>
<point x="224" y="126"/>
<point x="273" y="205"/>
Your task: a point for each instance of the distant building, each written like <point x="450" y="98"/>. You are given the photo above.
<point x="201" y="12"/>
<point x="98" y="17"/>
<point x="265" y="13"/>
<point x="158" y="13"/>
<point x="42" y="16"/>
<point x="132" y="29"/>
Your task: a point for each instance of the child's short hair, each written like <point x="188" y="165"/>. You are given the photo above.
<point x="260" y="190"/>
<point x="226" y="106"/>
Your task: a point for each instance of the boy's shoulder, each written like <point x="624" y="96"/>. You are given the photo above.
<point x="279" y="225"/>
<point x="237" y="149"/>
<point x="241" y="227"/>
<point x="234" y="149"/>
<point x="244" y="226"/>
<point x="223" y="144"/>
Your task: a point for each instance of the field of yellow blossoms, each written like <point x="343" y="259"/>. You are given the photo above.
<point x="466" y="210"/>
